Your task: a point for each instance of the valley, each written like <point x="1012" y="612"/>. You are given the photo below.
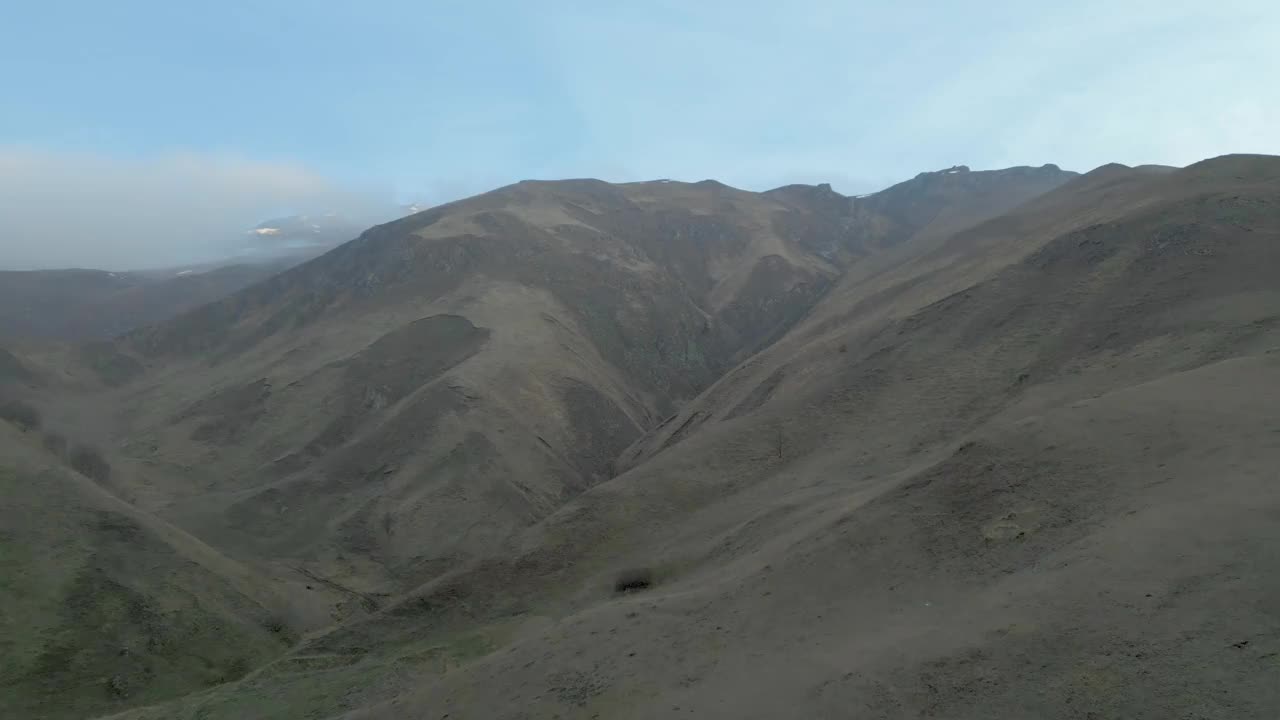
<point x="982" y="444"/>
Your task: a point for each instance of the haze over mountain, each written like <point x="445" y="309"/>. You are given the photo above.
<point x="82" y="304"/>
<point x="981" y="444"/>
<point x="61" y="209"/>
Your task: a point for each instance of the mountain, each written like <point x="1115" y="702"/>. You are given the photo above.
<point x="82" y="304"/>
<point x="299" y="236"/>
<point x="411" y="401"/>
<point x="1020" y="472"/>
<point x="77" y="305"/>
<point x="476" y="365"/>
<point x="984" y="444"/>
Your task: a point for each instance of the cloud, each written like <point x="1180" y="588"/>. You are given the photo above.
<point x="66" y="209"/>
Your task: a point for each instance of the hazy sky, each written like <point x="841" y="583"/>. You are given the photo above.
<point x="119" y="120"/>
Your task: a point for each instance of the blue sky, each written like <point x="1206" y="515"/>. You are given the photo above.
<point x="292" y="105"/>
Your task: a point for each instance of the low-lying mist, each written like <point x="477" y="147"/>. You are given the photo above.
<point x="65" y="209"/>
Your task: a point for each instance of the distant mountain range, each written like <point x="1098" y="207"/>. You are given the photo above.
<point x="300" y="234"/>
<point x="83" y="304"/>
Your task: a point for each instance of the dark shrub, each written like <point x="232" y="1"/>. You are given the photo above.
<point x="119" y="686"/>
<point x="633" y="580"/>
<point x="88" y="461"/>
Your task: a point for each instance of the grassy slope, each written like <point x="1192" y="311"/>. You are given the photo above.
<point x="104" y="607"/>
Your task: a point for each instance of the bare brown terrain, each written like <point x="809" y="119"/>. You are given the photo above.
<point x="985" y="444"/>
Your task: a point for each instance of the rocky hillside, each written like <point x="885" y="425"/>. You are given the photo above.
<point x="1035" y="483"/>
<point x="1019" y="467"/>
<point x="427" y="398"/>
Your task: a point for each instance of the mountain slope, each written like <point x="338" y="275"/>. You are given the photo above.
<point x="563" y="323"/>
<point x="427" y="402"/>
<point x="567" y="319"/>
<point x="1047" y="491"/>
<point x="1073" y="562"/>
<point x="106" y="607"/>
<point x="1000" y="271"/>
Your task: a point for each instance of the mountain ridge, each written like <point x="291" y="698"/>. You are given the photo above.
<point x="851" y="454"/>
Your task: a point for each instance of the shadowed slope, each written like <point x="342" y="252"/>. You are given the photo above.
<point x="106" y="607"/>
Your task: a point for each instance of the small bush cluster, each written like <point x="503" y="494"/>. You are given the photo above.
<point x="633" y="580"/>
<point x="119" y="686"/>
